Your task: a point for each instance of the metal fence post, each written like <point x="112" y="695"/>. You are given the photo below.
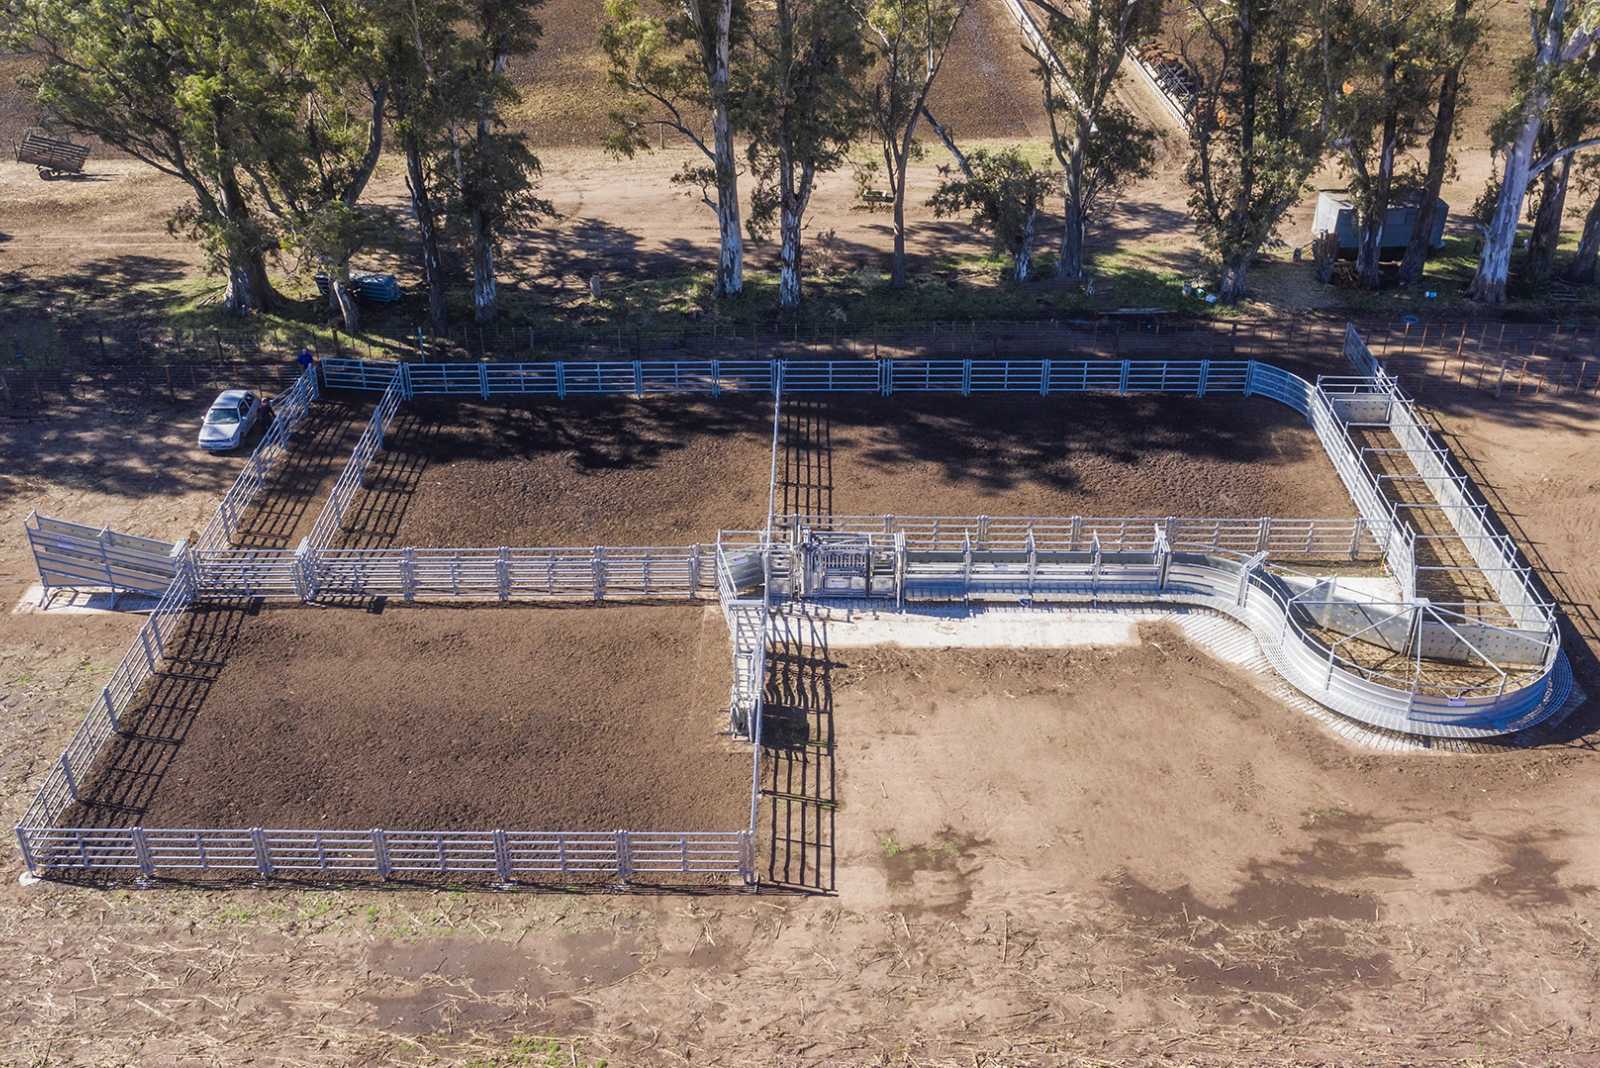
<point x="1250" y="377"/>
<point x="502" y="572"/>
<point x="885" y="377"/>
<point x="258" y="838"/>
<point x="111" y="709"/>
<point x="638" y="379"/>
<point x="694" y="570"/>
<point x="502" y="857"/>
<point x="405" y="381"/>
<point x="966" y="378"/>
<point x="561" y="379"/>
<point x="72" y="780"/>
<point x="141" y="853"/>
<point x="1044" y="378"/>
<point x="1205" y="377"/>
<point x="408" y="574"/>
<point x="1122" y="380"/>
<point x="380" y="853"/>
<point x="599" y="565"/>
<point x="483" y="379"/>
<point x="27" y="850"/>
<point x="624" y="857"/>
<point x="747" y="858"/>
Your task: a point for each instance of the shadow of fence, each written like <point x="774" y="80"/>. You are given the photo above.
<point x="800" y="783"/>
<point x="806" y="463"/>
<point x="126" y="779"/>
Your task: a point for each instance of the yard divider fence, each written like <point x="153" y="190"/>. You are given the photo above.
<point x="503" y="855"/>
<point x="63" y="784"/>
<point x="288" y="409"/>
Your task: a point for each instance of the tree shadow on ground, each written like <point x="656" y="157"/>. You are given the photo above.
<point x="112" y="442"/>
<point x="1000" y="443"/>
<point x="599" y="433"/>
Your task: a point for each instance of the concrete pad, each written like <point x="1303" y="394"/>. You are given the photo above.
<point x="979" y="627"/>
<point x="62" y="602"/>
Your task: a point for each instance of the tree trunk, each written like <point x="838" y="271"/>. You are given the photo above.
<point x="427" y="216"/>
<point x="1444" y="128"/>
<point x="341" y="297"/>
<point x="897" y="268"/>
<point x="950" y="145"/>
<point x="483" y="286"/>
<point x="248" y="289"/>
<point x="1582" y="267"/>
<point x="789" y="258"/>
<point x="1547" y="221"/>
<point x="1368" y="252"/>
<point x="1069" y="268"/>
<point x="730" y="252"/>
<point x="1231" y="288"/>
<point x="1024" y="269"/>
<point x="1500" y="236"/>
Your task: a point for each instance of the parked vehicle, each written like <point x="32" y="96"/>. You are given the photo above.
<point x="230" y="419"/>
<point x="53" y="156"/>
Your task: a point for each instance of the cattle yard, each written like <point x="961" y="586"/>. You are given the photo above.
<point x="478" y="621"/>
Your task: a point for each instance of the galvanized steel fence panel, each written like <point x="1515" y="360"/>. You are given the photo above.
<point x="288" y="409"/>
<point x="504" y="855"/>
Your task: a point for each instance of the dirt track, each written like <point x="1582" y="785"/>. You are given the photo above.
<point x="424" y="718"/>
<point x="1068" y="455"/>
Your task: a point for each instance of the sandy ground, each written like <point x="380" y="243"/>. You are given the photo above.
<point x="434" y="718"/>
<point x="1068" y="455"/>
<point x="1141" y="861"/>
<point x="580" y="472"/>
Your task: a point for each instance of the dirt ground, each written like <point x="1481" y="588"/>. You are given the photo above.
<point x="659" y="471"/>
<point x="434" y="718"/>
<point x="1144" y="862"/>
<point x="1069" y="455"/>
<point x="106" y="458"/>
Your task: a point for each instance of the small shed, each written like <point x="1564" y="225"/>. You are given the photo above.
<point x="1336" y="212"/>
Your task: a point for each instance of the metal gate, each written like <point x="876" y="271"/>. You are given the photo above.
<point x="837" y="563"/>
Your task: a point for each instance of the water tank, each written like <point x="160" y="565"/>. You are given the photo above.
<point x="1335" y="212"/>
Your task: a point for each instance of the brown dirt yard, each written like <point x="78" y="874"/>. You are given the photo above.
<point x="1056" y="456"/>
<point x="582" y="471"/>
<point x="1122" y="857"/>
<point x="434" y="718"/>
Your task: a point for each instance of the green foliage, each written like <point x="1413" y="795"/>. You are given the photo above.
<point x="798" y="100"/>
<point x="1003" y="196"/>
<point x="1260" y="122"/>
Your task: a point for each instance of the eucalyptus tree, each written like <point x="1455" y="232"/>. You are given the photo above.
<point x="1388" y="62"/>
<point x="1259" y="127"/>
<point x="1459" y="42"/>
<point x="799" y="100"/>
<point x="179" y="85"/>
<point x="1099" y="144"/>
<point x="673" y="63"/>
<point x="909" y="39"/>
<point x="1563" y="40"/>
<point x="496" y="174"/>
<point x="1003" y="193"/>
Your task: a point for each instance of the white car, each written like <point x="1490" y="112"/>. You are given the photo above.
<point x="229" y="420"/>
